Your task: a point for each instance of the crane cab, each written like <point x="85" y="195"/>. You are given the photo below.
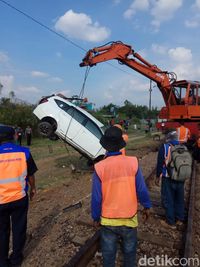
<point x="187" y="106"/>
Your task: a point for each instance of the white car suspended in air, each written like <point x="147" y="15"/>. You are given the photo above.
<point x="60" y="118"/>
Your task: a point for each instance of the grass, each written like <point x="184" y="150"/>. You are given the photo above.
<point x="43" y="148"/>
<point x="57" y="170"/>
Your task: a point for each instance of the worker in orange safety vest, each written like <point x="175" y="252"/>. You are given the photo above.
<point x="117" y="186"/>
<point x="183" y="133"/>
<point x="17" y="169"/>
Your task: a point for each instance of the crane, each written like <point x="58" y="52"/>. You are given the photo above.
<point x="182" y="98"/>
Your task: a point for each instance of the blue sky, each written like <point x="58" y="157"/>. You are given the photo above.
<point x="35" y="62"/>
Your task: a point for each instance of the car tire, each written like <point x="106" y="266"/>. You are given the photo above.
<point x="45" y="128"/>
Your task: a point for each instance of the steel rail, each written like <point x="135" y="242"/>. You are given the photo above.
<point x="188" y="249"/>
<point x="91" y="246"/>
<point x="86" y="252"/>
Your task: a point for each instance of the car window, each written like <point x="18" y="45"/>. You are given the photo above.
<point x="67" y="108"/>
<point x="62" y="105"/>
<point x="91" y="126"/>
<point x="78" y="116"/>
<point x="70" y="111"/>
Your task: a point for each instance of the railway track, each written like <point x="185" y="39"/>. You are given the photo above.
<point x="155" y="242"/>
<point x="63" y="234"/>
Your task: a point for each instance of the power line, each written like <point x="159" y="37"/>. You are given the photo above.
<point x="58" y="34"/>
<point x="118" y="68"/>
<point x="42" y="25"/>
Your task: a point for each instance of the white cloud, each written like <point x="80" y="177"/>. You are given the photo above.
<point x="197" y="4"/>
<point x="117" y="2"/>
<point x="141" y="5"/>
<point x="135" y="90"/>
<point x="183" y="64"/>
<point x="193" y="22"/>
<point x="163" y="10"/>
<point x="39" y="74"/>
<point x="27" y="89"/>
<point x="194" y="19"/>
<point x="80" y="26"/>
<point x="7" y="81"/>
<point x="64" y="92"/>
<point x="55" y="79"/>
<point x="30" y="94"/>
<point x="180" y="54"/>
<point x="159" y="49"/>
<point x="183" y="71"/>
<point x="3" y="57"/>
<point x="160" y="10"/>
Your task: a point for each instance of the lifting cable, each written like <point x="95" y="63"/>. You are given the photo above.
<point x="84" y="81"/>
<point x="80" y="97"/>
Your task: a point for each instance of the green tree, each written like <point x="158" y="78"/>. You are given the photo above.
<point x="12" y="113"/>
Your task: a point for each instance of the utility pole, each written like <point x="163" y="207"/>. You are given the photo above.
<point x="150" y="90"/>
<point x="1" y="86"/>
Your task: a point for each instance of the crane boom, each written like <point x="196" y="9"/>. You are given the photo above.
<point x="182" y="98"/>
<point x="126" y="55"/>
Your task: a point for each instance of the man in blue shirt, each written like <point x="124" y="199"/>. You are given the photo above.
<point x="117" y="186"/>
<point x="172" y="192"/>
<point x="17" y="169"/>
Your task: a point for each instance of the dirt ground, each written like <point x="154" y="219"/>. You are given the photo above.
<point x="51" y="231"/>
<point x="62" y="204"/>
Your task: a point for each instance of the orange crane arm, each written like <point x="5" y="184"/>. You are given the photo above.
<point x="126" y="55"/>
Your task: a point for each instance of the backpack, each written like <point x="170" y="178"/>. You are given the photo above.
<point x="179" y="166"/>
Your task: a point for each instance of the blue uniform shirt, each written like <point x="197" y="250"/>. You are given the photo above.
<point x="161" y="168"/>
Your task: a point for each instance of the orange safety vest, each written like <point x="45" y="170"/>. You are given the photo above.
<point x="13" y="172"/>
<point x="117" y="175"/>
<point x="183" y="134"/>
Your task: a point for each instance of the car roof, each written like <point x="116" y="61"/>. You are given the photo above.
<point x="80" y="109"/>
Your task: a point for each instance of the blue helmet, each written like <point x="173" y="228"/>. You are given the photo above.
<point x="6" y="132"/>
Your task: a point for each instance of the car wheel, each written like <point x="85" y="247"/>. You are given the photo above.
<point x="45" y="128"/>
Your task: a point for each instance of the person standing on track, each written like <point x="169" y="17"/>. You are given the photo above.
<point x="183" y="133"/>
<point x="17" y="169"/>
<point x="117" y="186"/>
<point x="172" y="192"/>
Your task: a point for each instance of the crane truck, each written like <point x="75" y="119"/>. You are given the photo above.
<point x="182" y="98"/>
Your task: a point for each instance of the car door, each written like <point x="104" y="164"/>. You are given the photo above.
<point x="68" y="127"/>
<point x="88" y="138"/>
<point x="76" y="123"/>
